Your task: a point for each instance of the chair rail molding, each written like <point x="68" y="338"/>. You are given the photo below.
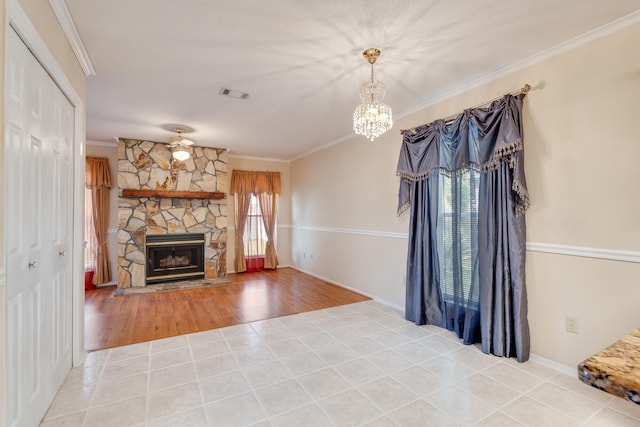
<point x="358" y="232"/>
<point x="551" y="248"/>
<point x="585" y="252"/>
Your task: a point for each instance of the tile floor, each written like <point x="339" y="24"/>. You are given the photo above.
<point x="355" y="365"/>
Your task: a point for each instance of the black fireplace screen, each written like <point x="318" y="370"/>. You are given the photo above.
<point x="172" y="257"/>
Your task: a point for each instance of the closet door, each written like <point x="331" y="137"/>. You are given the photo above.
<point x="61" y="181"/>
<point x="38" y="232"/>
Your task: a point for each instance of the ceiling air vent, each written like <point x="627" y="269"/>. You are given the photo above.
<point x="233" y="93"/>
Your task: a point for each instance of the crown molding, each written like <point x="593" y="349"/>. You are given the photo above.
<point x="582" y="39"/>
<point x="103" y="143"/>
<point x="325" y="146"/>
<point x="263" y="159"/>
<point x="70" y="31"/>
<point x="597" y="33"/>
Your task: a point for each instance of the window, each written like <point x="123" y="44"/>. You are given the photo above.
<point x="457" y="236"/>
<point x="255" y="236"/>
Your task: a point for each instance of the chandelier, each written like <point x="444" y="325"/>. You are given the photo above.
<point x="372" y="117"/>
<point x="179" y="145"/>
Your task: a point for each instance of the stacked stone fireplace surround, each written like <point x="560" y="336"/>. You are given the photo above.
<point x="147" y="165"/>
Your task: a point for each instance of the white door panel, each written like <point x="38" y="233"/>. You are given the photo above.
<point x="38" y="230"/>
<point x="61" y="179"/>
<point x="13" y="384"/>
<point x="13" y="196"/>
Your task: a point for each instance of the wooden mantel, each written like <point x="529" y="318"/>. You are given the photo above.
<point x="128" y="192"/>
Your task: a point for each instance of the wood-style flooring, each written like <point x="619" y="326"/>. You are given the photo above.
<point x="113" y="321"/>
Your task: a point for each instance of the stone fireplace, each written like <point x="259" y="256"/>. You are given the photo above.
<point x="160" y="197"/>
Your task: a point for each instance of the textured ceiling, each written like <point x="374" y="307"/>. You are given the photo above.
<point x="161" y="62"/>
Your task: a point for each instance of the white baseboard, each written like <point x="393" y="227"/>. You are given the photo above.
<point x="555" y="365"/>
<point x="333" y="282"/>
<point x="559" y="367"/>
<point x="104" y="285"/>
<point x="360" y="291"/>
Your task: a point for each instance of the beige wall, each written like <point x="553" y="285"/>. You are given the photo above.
<point x="582" y="168"/>
<point x="111" y="153"/>
<point x="283" y="243"/>
<point x="581" y="164"/>
<point x="336" y="194"/>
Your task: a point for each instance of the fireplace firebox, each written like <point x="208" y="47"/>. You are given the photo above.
<point x="172" y="257"/>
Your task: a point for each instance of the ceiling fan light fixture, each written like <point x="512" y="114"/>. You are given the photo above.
<point x="179" y="145"/>
<point x="180" y="153"/>
<point x="180" y="140"/>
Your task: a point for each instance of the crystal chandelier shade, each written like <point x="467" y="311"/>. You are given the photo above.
<point x="372" y="117"/>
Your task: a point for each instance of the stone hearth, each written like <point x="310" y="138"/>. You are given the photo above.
<point x="147" y="165"/>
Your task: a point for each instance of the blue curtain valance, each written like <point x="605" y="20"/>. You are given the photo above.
<point x="479" y="139"/>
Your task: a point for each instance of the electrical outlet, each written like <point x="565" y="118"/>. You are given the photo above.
<point x="572" y="324"/>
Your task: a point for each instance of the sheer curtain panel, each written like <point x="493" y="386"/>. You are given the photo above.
<point x="268" y="210"/>
<point x="242" y="210"/>
<point x="463" y="182"/>
<point x="98" y="180"/>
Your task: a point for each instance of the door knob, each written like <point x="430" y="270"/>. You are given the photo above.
<point x="33" y="265"/>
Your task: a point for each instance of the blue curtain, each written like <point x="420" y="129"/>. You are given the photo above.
<point x="463" y="181"/>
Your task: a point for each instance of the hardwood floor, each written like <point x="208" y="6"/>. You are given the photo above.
<point x="112" y="321"/>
